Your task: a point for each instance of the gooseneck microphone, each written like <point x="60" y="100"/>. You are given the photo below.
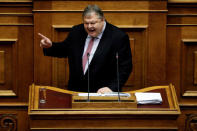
<point x="88" y="100"/>
<point x="117" y="71"/>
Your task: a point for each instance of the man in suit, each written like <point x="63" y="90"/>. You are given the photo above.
<point x="93" y="48"/>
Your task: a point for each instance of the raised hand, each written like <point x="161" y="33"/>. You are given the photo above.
<point x="44" y="42"/>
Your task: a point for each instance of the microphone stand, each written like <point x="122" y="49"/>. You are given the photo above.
<point x="88" y="100"/>
<point x="118" y="77"/>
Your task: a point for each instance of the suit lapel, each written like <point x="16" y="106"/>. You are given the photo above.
<point x="103" y="44"/>
<point x="81" y="48"/>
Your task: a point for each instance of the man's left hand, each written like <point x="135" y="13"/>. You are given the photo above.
<point x="104" y="90"/>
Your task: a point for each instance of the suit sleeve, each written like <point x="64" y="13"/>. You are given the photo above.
<point x="124" y="63"/>
<point x="59" y="49"/>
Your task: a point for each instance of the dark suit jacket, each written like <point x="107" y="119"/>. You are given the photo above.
<point x="103" y="66"/>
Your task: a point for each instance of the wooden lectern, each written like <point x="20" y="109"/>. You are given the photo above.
<point x="52" y="108"/>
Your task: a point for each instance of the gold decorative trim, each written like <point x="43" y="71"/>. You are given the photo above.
<point x="7" y="93"/>
<point x="137" y="128"/>
<point x="16" y="1"/>
<point x="181" y="24"/>
<point x="120" y="26"/>
<point x="13" y="104"/>
<point x="189" y="40"/>
<point x="190" y="93"/>
<point x="17" y="14"/>
<point x="105" y="0"/>
<point x="182" y="1"/>
<point x="182" y="104"/>
<point x="16" y="24"/>
<point x="181" y="15"/>
<point x="8" y="40"/>
<point x="62" y="26"/>
<point x="123" y="11"/>
<point x="132" y="26"/>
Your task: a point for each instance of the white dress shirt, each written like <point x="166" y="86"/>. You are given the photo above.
<point x="95" y="45"/>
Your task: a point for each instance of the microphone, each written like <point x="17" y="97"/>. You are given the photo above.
<point x="88" y="100"/>
<point x="117" y="71"/>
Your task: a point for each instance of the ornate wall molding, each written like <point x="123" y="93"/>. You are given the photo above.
<point x="191" y="122"/>
<point x="189" y="67"/>
<point x="8" y="121"/>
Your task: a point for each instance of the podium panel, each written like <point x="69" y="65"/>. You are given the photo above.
<point x="52" y="108"/>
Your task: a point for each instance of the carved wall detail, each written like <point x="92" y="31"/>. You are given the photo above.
<point x="195" y="67"/>
<point x="189" y="68"/>
<point x="2" y="67"/>
<point x="8" y="122"/>
<point x="60" y="68"/>
<point x="191" y="122"/>
<point x="8" y="58"/>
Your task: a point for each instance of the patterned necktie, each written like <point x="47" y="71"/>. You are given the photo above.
<point x="85" y="57"/>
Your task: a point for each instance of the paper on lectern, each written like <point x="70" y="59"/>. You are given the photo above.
<point x="148" y="98"/>
<point x="105" y="94"/>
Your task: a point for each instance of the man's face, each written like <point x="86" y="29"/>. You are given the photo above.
<point x="93" y="24"/>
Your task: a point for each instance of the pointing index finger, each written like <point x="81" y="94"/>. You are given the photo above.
<point x="42" y="36"/>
